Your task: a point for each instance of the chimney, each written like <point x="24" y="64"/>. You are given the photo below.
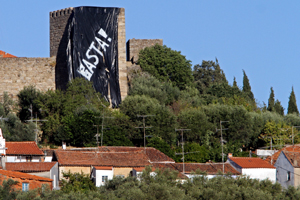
<point x="229" y="155"/>
<point x="64" y="146"/>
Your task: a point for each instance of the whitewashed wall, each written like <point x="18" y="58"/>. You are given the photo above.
<point x="99" y="173"/>
<point x="260" y="173"/>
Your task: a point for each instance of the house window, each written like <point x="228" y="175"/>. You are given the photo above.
<point x="288" y="176"/>
<point x="121" y="176"/>
<point x="104" y="178"/>
<point x="25" y="187"/>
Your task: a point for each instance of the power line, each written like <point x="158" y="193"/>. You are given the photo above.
<point x="182" y="146"/>
<point x="102" y="125"/>
<point x="222" y="141"/>
<point x="35" y="120"/>
<point x="144" y="127"/>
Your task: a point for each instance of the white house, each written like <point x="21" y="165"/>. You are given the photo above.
<point x="255" y="168"/>
<point x="288" y="168"/>
<point x="101" y="174"/>
<point x="23" y="152"/>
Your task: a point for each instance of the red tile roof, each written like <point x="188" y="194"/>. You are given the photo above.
<point x="153" y="154"/>
<point x="88" y="158"/>
<point x="23" y="148"/>
<point x="21" y="175"/>
<point x="209" y="168"/>
<point x="247" y="162"/>
<point x="29" y="166"/>
<point x="6" y="55"/>
<point x="272" y="159"/>
<point x="112" y="156"/>
<point x="103" y="168"/>
<point x="293" y="158"/>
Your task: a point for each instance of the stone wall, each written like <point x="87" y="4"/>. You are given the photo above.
<point x="122" y="54"/>
<point x="20" y="72"/>
<point x="134" y="46"/>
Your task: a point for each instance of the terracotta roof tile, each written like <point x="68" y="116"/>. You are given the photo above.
<point x="103" y="168"/>
<point x="30" y="166"/>
<point x="274" y="157"/>
<point x="21" y="175"/>
<point x="112" y="156"/>
<point x="6" y="55"/>
<point x="209" y="168"/>
<point x="23" y="148"/>
<point x="247" y="162"/>
<point x="115" y="159"/>
<point x="293" y="157"/>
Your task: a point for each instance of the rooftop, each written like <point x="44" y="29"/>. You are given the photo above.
<point x="23" y="148"/>
<point x="29" y="166"/>
<point x="249" y="162"/>
<point x="6" y="55"/>
<point x="272" y="159"/>
<point x="13" y="174"/>
<point x="112" y="156"/>
<point x="293" y="157"/>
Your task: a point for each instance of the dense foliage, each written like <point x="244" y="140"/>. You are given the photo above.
<point x="164" y="185"/>
<point x="166" y="65"/>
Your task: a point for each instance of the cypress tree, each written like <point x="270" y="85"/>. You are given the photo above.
<point x="234" y="82"/>
<point x="247" y="87"/>
<point x="271" y="101"/>
<point x="292" y="107"/>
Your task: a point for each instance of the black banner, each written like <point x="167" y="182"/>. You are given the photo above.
<point x="92" y="49"/>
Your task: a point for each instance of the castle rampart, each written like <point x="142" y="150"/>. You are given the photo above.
<point x="21" y="71"/>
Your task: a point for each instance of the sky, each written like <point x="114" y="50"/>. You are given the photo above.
<point x="260" y="37"/>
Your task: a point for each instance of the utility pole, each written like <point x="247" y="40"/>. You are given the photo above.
<point x="144" y="127"/>
<point x="35" y="120"/>
<point x="222" y="141"/>
<point x="293" y="133"/>
<point x="182" y="146"/>
<point x="97" y="135"/>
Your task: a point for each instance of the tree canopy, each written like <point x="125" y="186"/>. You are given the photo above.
<point x="166" y="65"/>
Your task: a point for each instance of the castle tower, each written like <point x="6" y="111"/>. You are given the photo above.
<point x="62" y="23"/>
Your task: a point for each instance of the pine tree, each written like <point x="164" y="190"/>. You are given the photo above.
<point x="271" y="101"/>
<point x="234" y="82"/>
<point x="292" y="107"/>
<point x="247" y="87"/>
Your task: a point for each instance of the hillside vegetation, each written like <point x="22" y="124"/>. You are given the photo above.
<point x="172" y="95"/>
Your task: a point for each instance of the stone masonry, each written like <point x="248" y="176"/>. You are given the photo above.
<point x="20" y="72"/>
<point x="134" y="46"/>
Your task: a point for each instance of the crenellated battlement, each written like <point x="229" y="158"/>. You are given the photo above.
<point x="62" y="12"/>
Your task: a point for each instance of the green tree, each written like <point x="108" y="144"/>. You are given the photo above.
<point x="166" y="65"/>
<point x="7" y="190"/>
<point x="27" y="97"/>
<point x="148" y="85"/>
<point x="207" y="74"/>
<point x="161" y="145"/>
<point x="247" y="87"/>
<point x="77" y="182"/>
<point x="292" y="107"/>
<point x="271" y="101"/>
<point x="278" y="107"/>
<point x="234" y="83"/>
